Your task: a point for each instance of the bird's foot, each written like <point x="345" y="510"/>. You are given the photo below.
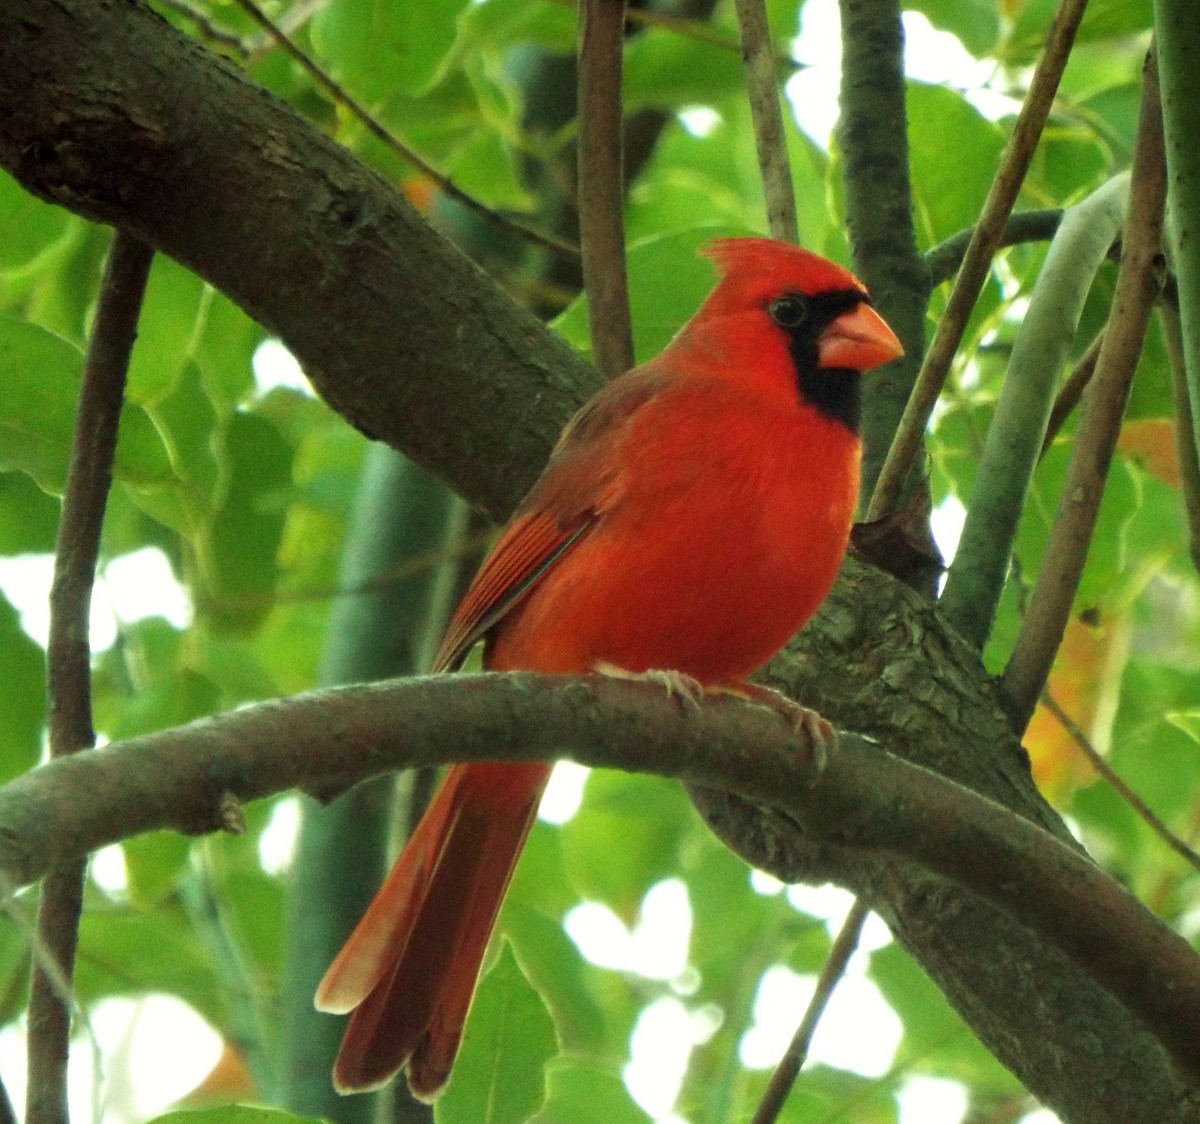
<point x="822" y="735"/>
<point x="677" y="684"/>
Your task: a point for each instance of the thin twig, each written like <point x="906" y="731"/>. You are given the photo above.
<point x="208" y="30"/>
<point x="1139" y="283"/>
<point x="762" y="89"/>
<point x="210" y="921"/>
<point x="404" y="570"/>
<point x="945" y="259"/>
<point x="443" y="182"/>
<point x="796" y="1054"/>
<point x="1185" y="428"/>
<point x="978" y="260"/>
<point x="1118" y="783"/>
<point x="68" y="653"/>
<point x="1071" y="390"/>
<point x="290" y="21"/>
<point x="601" y="184"/>
<point x="43" y="957"/>
<point x="697" y="31"/>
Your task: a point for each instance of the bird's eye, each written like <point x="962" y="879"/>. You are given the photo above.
<point x="789" y="312"/>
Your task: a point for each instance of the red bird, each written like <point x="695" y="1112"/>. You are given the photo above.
<point x="692" y="517"/>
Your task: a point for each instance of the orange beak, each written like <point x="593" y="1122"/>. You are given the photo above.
<point x="858" y="340"/>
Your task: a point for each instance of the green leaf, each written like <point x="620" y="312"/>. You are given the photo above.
<point x="1069" y="163"/>
<point x="124" y="951"/>
<point x="224" y="349"/>
<point x="502" y="23"/>
<point x="241" y="549"/>
<point x="187" y="423"/>
<point x="28" y="516"/>
<point x="499" y="1077"/>
<point x="170" y="314"/>
<point x="22" y="671"/>
<point x="31" y="227"/>
<point x="554" y="965"/>
<point x="148" y="682"/>
<point x="154" y="865"/>
<point x="666" y="70"/>
<point x="378" y="48"/>
<point x="234" y="1114"/>
<point x="1105" y="571"/>
<point x="1104" y="20"/>
<point x="14" y="958"/>
<point x="975" y="22"/>
<point x="1188" y="720"/>
<point x="659" y="310"/>
<point x="941" y="121"/>
<point x="625" y="837"/>
<point x="581" y="1094"/>
<point x="822" y="1093"/>
<point x="484" y="167"/>
<point x="936" y="1040"/>
<point x="41" y="374"/>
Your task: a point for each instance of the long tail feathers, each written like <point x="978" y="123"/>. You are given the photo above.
<point x="409" y="970"/>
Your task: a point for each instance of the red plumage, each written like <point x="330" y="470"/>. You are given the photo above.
<point x="692" y="517"/>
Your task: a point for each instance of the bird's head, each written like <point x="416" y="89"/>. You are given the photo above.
<point x="792" y="320"/>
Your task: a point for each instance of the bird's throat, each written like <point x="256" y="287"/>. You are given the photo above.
<point x="836" y="394"/>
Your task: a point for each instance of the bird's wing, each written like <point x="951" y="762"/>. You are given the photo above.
<point x="581" y="482"/>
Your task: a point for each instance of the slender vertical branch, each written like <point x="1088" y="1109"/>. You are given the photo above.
<point x="1014" y="440"/>
<point x="1178" y="38"/>
<point x="873" y="136"/>
<point x="1071" y="390"/>
<point x="601" y="183"/>
<point x="794" y="1057"/>
<point x="902" y="456"/>
<point x="762" y="89"/>
<point x="68" y="655"/>
<point x="1139" y="283"/>
<point x="1185" y="427"/>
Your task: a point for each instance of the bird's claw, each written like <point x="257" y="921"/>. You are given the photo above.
<point x="678" y="684"/>
<point x="821" y="734"/>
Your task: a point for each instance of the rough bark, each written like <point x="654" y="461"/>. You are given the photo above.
<point x="905" y="678"/>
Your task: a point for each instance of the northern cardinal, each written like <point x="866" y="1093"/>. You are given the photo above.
<point x="692" y="517"/>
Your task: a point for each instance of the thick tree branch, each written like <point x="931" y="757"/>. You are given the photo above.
<point x="864" y="798"/>
<point x="1014" y="439"/>
<point x="874" y="140"/>
<point x="136" y="125"/>
<point x="978" y="259"/>
<point x="901" y="676"/>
